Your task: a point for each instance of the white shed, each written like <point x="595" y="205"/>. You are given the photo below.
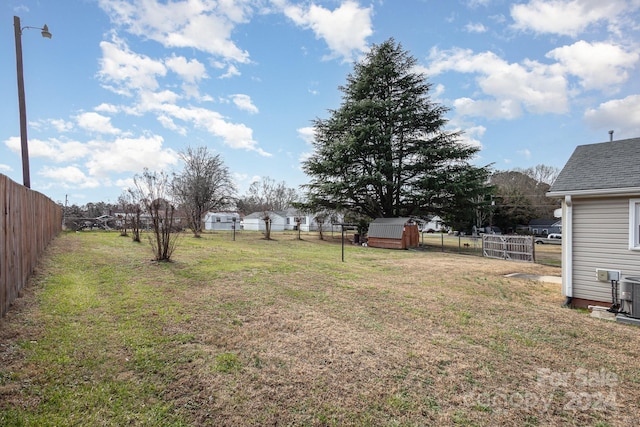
<point x="220" y="220"/>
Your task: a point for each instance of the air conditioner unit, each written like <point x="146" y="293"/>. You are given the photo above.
<point x="630" y="296"/>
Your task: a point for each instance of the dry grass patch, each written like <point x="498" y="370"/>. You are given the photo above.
<point x="257" y="332"/>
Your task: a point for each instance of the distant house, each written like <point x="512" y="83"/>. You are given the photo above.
<point x="600" y="191"/>
<point x="393" y="233"/>
<point x="289" y="219"/>
<point x="433" y="224"/>
<point x="545" y="226"/>
<point x="221" y="220"/>
<point x="293" y="215"/>
<point x="255" y="221"/>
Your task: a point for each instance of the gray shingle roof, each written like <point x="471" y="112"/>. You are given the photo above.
<point x="387" y="228"/>
<point x="605" y="166"/>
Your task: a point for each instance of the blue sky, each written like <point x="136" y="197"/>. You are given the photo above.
<point x="125" y="84"/>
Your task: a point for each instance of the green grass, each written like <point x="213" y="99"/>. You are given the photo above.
<point x="255" y="332"/>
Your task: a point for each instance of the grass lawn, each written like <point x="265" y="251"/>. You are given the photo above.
<point x="256" y="332"/>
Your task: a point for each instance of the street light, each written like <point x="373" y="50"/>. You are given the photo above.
<point x="21" y="98"/>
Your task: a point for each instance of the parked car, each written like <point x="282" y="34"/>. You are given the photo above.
<point x="551" y="239"/>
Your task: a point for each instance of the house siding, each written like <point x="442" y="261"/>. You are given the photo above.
<point x="600" y="240"/>
<point x="216" y="221"/>
<point x="254" y="222"/>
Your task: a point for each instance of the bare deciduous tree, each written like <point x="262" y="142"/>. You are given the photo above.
<point x="125" y="206"/>
<point x="204" y="185"/>
<point x="519" y="198"/>
<point x="152" y="189"/>
<point x="132" y="213"/>
<point x="267" y="196"/>
<point x="541" y="173"/>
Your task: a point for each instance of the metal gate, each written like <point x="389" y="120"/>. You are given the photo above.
<point x="514" y="248"/>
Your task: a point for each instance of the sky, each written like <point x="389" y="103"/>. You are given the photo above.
<point x="125" y="85"/>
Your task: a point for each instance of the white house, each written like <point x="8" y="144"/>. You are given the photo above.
<point x="307" y="221"/>
<point x="284" y="220"/>
<point x="600" y="191"/>
<point x="255" y="221"/>
<point x="221" y="220"/>
<point x="434" y="224"/>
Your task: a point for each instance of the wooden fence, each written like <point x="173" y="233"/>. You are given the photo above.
<point x="28" y="222"/>
<point x="515" y="248"/>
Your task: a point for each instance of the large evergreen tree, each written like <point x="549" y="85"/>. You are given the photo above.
<point x="385" y="152"/>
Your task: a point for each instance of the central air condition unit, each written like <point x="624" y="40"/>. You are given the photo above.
<point x="630" y="296"/>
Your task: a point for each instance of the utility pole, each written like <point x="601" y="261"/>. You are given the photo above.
<point x="26" y="179"/>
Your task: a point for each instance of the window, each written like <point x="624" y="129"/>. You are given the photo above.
<point x="634" y="224"/>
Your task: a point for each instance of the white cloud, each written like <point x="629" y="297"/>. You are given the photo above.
<point x="190" y="71"/>
<point x="124" y="71"/>
<point x="475" y="3"/>
<point x="5" y="168"/>
<point x="53" y="149"/>
<point x="565" y="17"/>
<point x="437" y="91"/>
<point x="622" y="115"/>
<point x="492" y="109"/>
<point x="61" y="125"/>
<point x="232" y="71"/>
<point x="106" y="108"/>
<point x="345" y="29"/>
<point x="128" y="73"/>
<point x="526" y="153"/>
<point x="237" y="136"/>
<point x="597" y="65"/>
<point x="244" y="103"/>
<point x="475" y="28"/>
<point x="511" y="87"/>
<point x="308" y="134"/>
<point x="129" y="155"/>
<point x="70" y="177"/>
<point x="94" y="122"/>
<point x="150" y="101"/>
<point x="473" y="134"/>
<point x="125" y="183"/>
<point x="199" y="24"/>
<point x="168" y="123"/>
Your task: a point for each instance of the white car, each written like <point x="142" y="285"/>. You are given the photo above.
<point x="551" y="239"/>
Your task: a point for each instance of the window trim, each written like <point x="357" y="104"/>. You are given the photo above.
<point x="634" y="224"/>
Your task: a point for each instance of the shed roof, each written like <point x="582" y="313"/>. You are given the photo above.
<point x="604" y="168"/>
<point x="387" y="228"/>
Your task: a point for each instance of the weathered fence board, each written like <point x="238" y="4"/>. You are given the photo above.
<point x="28" y="222"/>
<point x="515" y="248"/>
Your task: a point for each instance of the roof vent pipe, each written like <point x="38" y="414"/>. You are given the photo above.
<point x="610" y="136"/>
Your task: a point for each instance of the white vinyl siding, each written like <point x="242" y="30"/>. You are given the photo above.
<point x="600" y="240"/>
<point x="255" y="222"/>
